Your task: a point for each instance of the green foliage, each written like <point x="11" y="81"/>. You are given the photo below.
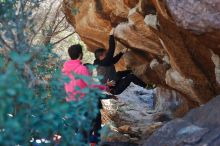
<point x="75" y="11"/>
<point x="32" y="97"/>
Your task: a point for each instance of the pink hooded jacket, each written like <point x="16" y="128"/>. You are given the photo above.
<point x="70" y="68"/>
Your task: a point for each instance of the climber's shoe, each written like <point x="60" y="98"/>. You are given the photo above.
<point x="92" y="144"/>
<point x="93" y="139"/>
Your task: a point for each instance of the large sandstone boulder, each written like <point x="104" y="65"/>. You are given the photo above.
<point x="200" y="127"/>
<point x="173" y="43"/>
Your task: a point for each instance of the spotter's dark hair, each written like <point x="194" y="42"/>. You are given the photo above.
<point x="75" y="51"/>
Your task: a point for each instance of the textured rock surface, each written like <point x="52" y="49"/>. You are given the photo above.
<point x="199" y="16"/>
<point x="130" y="115"/>
<point x="138" y="112"/>
<point x="177" y="49"/>
<point x="169" y="101"/>
<point x="197" y="128"/>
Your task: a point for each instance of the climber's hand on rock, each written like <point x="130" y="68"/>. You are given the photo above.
<point x="112" y="31"/>
<point x="110" y="83"/>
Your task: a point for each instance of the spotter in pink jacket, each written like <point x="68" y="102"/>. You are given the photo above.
<point x="70" y="68"/>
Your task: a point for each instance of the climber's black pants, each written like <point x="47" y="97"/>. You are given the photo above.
<point x="125" y="80"/>
<point x="94" y="135"/>
<point x="95" y="128"/>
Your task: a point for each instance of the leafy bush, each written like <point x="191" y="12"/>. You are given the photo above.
<point x="31" y="85"/>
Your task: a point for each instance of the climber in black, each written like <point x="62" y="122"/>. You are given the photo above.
<point x="106" y="61"/>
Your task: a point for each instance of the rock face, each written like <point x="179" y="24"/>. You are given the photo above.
<point x="172" y="102"/>
<point x="199" y="16"/>
<point x="175" y="44"/>
<point x="139" y="112"/>
<point x="197" y="128"/>
<point x="130" y="115"/>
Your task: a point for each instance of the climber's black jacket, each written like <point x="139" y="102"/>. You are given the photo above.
<point x="106" y="67"/>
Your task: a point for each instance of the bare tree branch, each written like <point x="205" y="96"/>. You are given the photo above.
<point x="53" y="22"/>
<point x="44" y="21"/>
<point x="5" y="43"/>
<point x="25" y="3"/>
<point x="59" y="31"/>
<point x="14" y="39"/>
<point x="58" y="24"/>
<point x="63" y="38"/>
<point x="50" y="32"/>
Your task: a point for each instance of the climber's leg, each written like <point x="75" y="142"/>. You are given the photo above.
<point x="122" y="84"/>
